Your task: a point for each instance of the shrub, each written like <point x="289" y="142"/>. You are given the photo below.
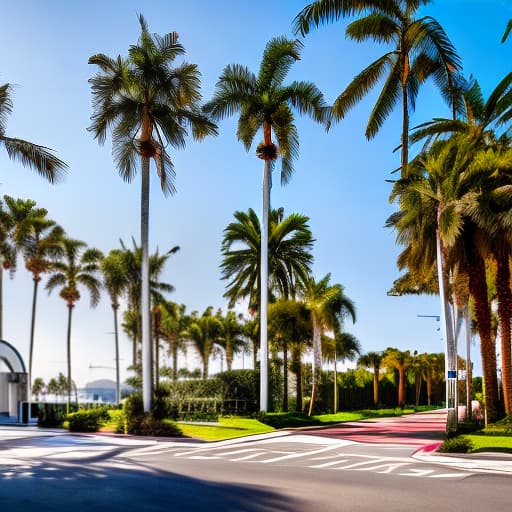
<point x="88" y="420"/>
<point x="148" y="425"/>
<point x="456" y="445"/>
<point x="52" y="415"/>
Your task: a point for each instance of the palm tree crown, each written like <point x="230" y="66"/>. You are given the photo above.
<point x="419" y="49"/>
<point x="289" y="242"/>
<point x="39" y="158"/>
<point x="263" y="102"/>
<point x="147" y="103"/>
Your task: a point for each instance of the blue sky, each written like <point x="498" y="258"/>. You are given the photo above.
<point x="339" y="179"/>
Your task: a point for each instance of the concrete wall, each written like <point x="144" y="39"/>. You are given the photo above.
<point x="4" y="393"/>
<point x="12" y="392"/>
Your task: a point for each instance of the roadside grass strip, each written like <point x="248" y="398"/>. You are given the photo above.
<point x="228" y="428"/>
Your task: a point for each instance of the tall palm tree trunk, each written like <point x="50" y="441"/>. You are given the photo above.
<point x="206" y="366"/>
<point x="405" y="125"/>
<point x="505" y="314"/>
<point x="376" y="370"/>
<point x="297" y="369"/>
<point x="285" y="376"/>
<point x="1" y="302"/>
<point x="115" y="307"/>
<point x="229" y="353"/>
<point x="145" y="305"/>
<point x="447" y="326"/>
<point x="175" y="361"/>
<point x="317" y="362"/>
<point x="32" y="329"/>
<point x="264" y="289"/>
<point x="70" y="385"/>
<point x="429" y="388"/>
<point x="478" y="289"/>
<point x="157" y="360"/>
<point x="335" y="408"/>
<point x="469" y="368"/>
<point x="401" y="386"/>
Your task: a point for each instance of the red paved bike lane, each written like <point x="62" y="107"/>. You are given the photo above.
<point x="420" y="429"/>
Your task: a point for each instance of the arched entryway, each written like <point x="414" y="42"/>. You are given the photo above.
<point x="13" y="382"/>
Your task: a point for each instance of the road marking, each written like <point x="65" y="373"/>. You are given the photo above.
<point x="300" y="454"/>
<point x="390" y="467"/>
<point x="418" y="472"/>
<point x="245" y="450"/>
<point x="247" y="457"/>
<point x="447" y="475"/>
<point x="328" y="464"/>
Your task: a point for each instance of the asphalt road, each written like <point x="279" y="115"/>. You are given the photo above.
<point x="298" y="472"/>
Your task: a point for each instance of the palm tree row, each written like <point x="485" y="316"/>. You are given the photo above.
<point x="290" y="242"/>
<point x="454" y="219"/>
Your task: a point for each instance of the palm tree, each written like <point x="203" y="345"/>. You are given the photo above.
<point x="373" y="360"/>
<point x="41" y="248"/>
<point x="232" y="340"/>
<point x="289" y="244"/>
<point x="205" y="332"/>
<point x="39" y="158"/>
<point x="38" y="388"/>
<point x="290" y="327"/>
<point x="400" y="361"/>
<point x="343" y="346"/>
<point x="148" y="104"/>
<point x="264" y="103"/>
<point x="480" y="119"/>
<point x="115" y="282"/>
<point x="16" y="225"/>
<point x="488" y="205"/>
<point x="419" y="49"/>
<point x="432" y="367"/>
<point x="173" y="325"/>
<point x="329" y="306"/>
<point x="80" y="266"/>
<point x="132" y="264"/>
<point x="443" y="200"/>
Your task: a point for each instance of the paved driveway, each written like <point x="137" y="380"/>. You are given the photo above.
<point x="412" y="429"/>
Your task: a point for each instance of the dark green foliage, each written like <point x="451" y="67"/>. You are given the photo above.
<point x="148" y="425"/>
<point x="190" y="389"/>
<point x="456" y="445"/>
<point x="287" y="420"/>
<point x="52" y="415"/>
<point x="88" y="420"/>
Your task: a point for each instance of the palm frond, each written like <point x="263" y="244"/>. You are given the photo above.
<point x="361" y="84"/>
<point x="39" y="158"/>
<point x="279" y="55"/>
<point x="386" y="102"/>
<point x="376" y="26"/>
<point x="5" y="106"/>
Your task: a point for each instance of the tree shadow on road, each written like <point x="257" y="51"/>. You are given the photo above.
<point x="47" y="486"/>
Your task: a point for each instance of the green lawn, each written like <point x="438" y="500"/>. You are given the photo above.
<point x="228" y="428"/>
<point x="490" y="443"/>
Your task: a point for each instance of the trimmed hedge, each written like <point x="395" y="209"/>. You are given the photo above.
<point x="88" y="420"/>
<point x="52" y="415"/>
